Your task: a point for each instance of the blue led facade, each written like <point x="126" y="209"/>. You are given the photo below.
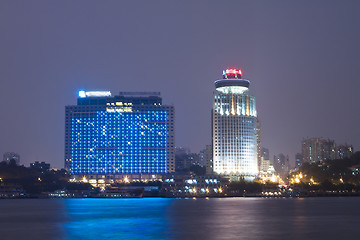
<point x="119" y="137"/>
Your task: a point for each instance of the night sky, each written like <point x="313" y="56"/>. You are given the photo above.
<point x="302" y="58"/>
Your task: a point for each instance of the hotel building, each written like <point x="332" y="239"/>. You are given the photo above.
<point x="234" y="127"/>
<point x="127" y="137"/>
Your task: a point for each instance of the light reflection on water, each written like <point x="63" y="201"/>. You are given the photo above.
<point x="117" y="218"/>
<point x="160" y="218"/>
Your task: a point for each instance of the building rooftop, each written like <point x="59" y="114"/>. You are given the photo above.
<point x="105" y="97"/>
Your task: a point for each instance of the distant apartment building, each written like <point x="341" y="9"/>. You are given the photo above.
<point x="8" y="156"/>
<point x="265" y="164"/>
<point x="194" y="159"/>
<point x="209" y="159"/>
<point x="202" y="156"/>
<point x="129" y="136"/>
<point x="265" y="161"/>
<point x="318" y="149"/>
<point x="344" y="151"/>
<point x="279" y="160"/>
<point x="206" y="156"/>
<point x="182" y="161"/>
<point x="267" y="170"/>
<point x="298" y="160"/>
<point x="265" y="153"/>
<point x="281" y="164"/>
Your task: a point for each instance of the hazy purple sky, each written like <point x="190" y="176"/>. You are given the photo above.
<point x="302" y="58"/>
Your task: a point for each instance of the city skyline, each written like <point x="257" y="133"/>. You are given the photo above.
<point x="299" y="67"/>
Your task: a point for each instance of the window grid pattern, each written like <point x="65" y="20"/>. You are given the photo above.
<point x="119" y="143"/>
<point x="234" y="134"/>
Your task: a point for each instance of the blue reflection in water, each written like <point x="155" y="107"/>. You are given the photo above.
<point x="117" y="218"/>
<point x="160" y="218"/>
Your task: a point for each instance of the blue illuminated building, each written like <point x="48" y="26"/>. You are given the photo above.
<point x="111" y="139"/>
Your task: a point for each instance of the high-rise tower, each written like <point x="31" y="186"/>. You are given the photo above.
<point x="234" y="127"/>
<point x="131" y="134"/>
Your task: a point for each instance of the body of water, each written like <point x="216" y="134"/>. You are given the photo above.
<point x="161" y="218"/>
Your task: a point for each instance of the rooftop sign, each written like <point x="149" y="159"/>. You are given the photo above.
<point x="83" y="94"/>
<point x="232" y="73"/>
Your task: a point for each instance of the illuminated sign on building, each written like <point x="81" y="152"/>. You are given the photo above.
<point x="119" y="109"/>
<point x="232" y="73"/>
<point x="83" y="94"/>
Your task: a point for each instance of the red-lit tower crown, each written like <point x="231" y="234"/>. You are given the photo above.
<point x="232" y="77"/>
<point x="232" y="73"/>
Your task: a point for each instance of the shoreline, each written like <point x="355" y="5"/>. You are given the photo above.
<point x="322" y="195"/>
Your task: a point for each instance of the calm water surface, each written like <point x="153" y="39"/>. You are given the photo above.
<point x="159" y="218"/>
